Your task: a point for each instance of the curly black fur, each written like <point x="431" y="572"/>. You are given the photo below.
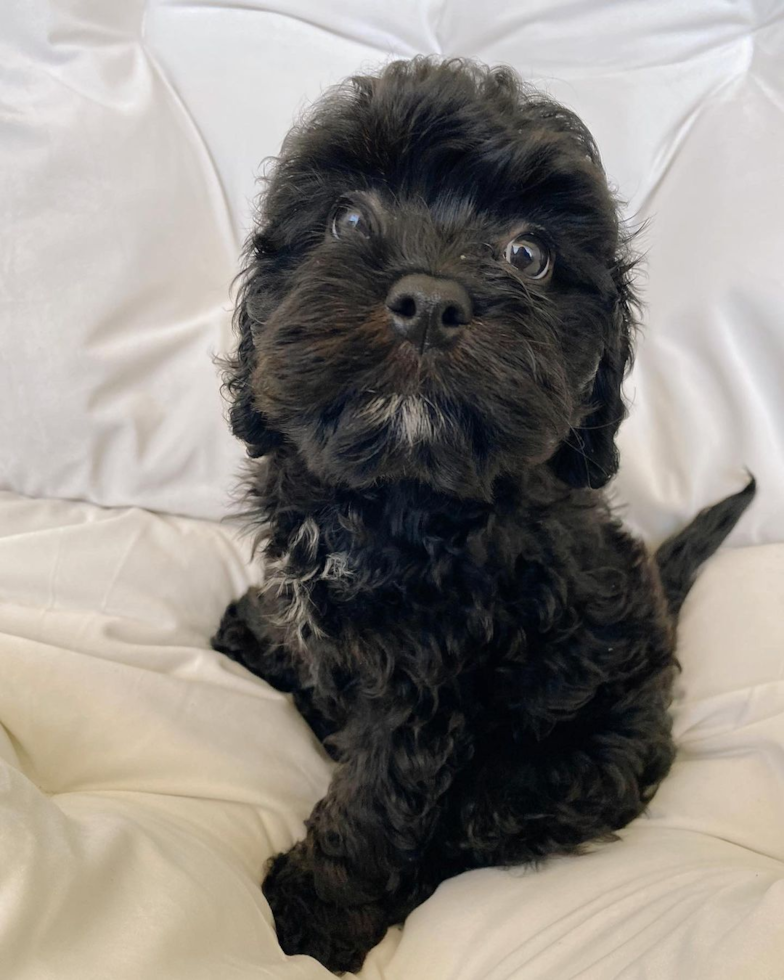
<point x="480" y="645"/>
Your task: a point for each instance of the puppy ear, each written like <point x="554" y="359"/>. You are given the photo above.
<point x="247" y="423"/>
<point x="590" y="458"/>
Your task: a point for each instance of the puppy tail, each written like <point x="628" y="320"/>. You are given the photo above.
<point x="680" y="557"/>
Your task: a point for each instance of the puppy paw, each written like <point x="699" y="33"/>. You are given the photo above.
<point x="242" y="636"/>
<point x="339" y="937"/>
<point x="233" y="636"/>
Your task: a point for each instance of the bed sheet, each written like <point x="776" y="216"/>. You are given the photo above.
<point x="145" y="780"/>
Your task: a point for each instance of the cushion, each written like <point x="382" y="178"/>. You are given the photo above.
<point x="145" y="779"/>
<point x="130" y="144"/>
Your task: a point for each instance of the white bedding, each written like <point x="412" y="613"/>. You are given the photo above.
<point x="131" y="137"/>
<point x="144" y="779"/>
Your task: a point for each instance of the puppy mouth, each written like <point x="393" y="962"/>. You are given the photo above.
<point x="362" y="404"/>
<point x="410" y="419"/>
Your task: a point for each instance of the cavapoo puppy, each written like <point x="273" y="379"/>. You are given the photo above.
<point x="434" y="323"/>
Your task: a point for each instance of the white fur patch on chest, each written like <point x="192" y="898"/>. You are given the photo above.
<point x="289" y="582"/>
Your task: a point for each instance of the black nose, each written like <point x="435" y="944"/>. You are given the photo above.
<point x="429" y="312"/>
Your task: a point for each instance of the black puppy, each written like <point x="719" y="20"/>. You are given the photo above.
<point x="434" y="324"/>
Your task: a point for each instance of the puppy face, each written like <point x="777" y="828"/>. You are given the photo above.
<point x="438" y="289"/>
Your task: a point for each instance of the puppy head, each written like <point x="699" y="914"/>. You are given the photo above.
<point x="438" y="289"/>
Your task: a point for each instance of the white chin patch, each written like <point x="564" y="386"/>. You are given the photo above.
<point x="411" y="418"/>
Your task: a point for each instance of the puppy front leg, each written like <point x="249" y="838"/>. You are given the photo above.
<point x="247" y="635"/>
<point x="335" y="893"/>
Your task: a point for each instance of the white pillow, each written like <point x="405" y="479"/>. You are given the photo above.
<point x="128" y="156"/>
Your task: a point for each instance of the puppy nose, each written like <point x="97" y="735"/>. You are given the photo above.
<point x="427" y="311"/>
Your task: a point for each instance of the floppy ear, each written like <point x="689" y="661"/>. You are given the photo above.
<point x="590" y="458"/>
<point x="247" y="423"/>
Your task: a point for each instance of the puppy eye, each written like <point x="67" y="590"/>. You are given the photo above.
<point x="349" y="220"/>
<point x="530" y="256"/>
